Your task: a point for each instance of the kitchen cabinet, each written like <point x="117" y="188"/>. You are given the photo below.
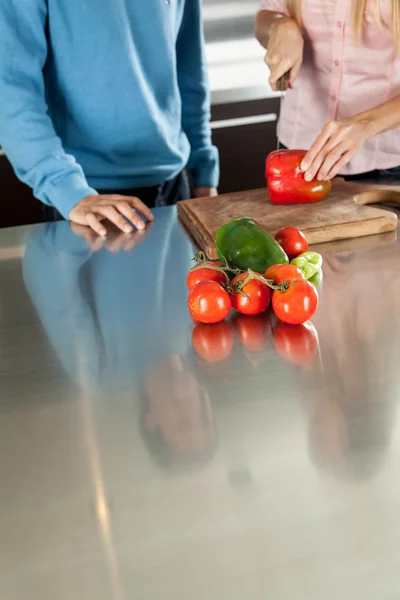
<point x="17" y="204"/>
<point x="245" y="133"/>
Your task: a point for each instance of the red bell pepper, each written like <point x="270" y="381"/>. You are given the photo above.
<point x="286" y="183"/>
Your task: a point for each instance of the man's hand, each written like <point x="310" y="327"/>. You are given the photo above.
<point x="92" y="210"/>
<point x="205" y="192"/>
<point x="337" y="145"/>
<point x="285" y="51"/>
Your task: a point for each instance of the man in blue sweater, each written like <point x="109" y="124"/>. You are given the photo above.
<point x="103" y="105"/>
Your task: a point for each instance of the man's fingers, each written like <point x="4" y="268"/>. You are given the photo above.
<point x="130" y="214"/>
<point x="139" y="205"/>
<point x="111" y="213"/>
<point x="94" y="222"/>
<point x="115" y="244"/>
<point x="98" y="242"/>
<point x="133" y="240"/>
<point x="83" y="231"/>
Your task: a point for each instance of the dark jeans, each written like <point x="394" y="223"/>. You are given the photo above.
<point x="166" y="194"/>
<point x="388" y="175"/>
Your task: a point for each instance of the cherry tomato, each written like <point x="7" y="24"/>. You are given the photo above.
<point x="296" y="343"/>
<point x="292" y="240"/>
<point x="209" y="302"/>
<point x="253" y="331"/>
<point x="254" y="297"/>
<point x="213" y="342"/>
<point x="281" y="273"/>
<point x="297" y="304"/>
<point x="198" y="274"/>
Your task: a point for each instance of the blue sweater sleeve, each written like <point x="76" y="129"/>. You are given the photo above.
<point x="193" y="85"/>
<point x="27" y="134"/>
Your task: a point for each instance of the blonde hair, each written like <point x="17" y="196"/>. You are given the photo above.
<point x="358" y="11"/>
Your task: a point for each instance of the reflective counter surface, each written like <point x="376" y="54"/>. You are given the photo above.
<point x="133" y="468"/>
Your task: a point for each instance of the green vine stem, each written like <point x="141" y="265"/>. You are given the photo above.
<point x="202" y="262"/>
<point x="268" y="282"/>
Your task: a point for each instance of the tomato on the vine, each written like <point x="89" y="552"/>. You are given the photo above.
<point x="204" y="273"/>
<point x="253" y="331"/>
<point x="253" y="298"/>
<point x="296" y="343"/>
<point x="213" y="342"/>
<point x="292" y="240"/>
<point x="297" y="303"/>
<point x="209" y="303"/>
<point x="281" y="273"/>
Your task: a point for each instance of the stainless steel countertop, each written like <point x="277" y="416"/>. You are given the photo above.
<point x="130" y="468"/>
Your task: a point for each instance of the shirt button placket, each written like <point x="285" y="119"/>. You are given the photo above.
<point x="337" y="53"/>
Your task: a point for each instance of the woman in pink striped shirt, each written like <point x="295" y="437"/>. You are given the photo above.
<point x="342" y="59"/>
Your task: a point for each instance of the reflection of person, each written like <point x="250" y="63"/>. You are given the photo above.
<point x="343" y="62"/>
<point x="348" y="441"/>
<point x="103" y="103"/>
<point x="177" y="417"/>
<point x="118" y="320"/>
<point x="352" y="408"/>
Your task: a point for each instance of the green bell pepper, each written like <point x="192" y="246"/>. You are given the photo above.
<point x="309" y="263"/>
<point x="317" y="279"/>
<point x="244" y="245"/>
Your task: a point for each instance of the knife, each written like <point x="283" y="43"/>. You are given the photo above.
<point x="282" y="86"/>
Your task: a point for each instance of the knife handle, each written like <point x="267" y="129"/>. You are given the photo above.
<point x="283" y="82"/>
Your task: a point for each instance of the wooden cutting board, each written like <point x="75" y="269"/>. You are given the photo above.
<point x="344" y="214"/>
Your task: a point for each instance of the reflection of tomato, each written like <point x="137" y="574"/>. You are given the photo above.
<point x="253" y="331"/>
<point x="293" y="241"/>
<point x="209" y="302"/>
<point x="281" y="273"/>
<point x="212" y="342"/>
<point x="198" y="274"/>
<point x="296" y="343"/>
<point x="254" y="297"/>
<point x="297" y="303"/>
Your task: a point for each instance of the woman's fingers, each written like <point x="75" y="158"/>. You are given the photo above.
<point x="332" y="158"/>
<point x="295" y="72"/>
<point x="278" y="70"/>
<point x="345" y="159"/>
<point x="308" y="163"/>
<point x="331" y="137"/>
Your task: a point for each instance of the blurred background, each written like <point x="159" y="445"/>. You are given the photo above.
<point x="244" y="108"/>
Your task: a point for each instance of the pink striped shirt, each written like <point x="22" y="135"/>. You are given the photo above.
<point x="340" y="78"/>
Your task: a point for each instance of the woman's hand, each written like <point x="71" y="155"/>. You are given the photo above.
<point x="285" y="51"/>
<point x="338" y="144"/>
